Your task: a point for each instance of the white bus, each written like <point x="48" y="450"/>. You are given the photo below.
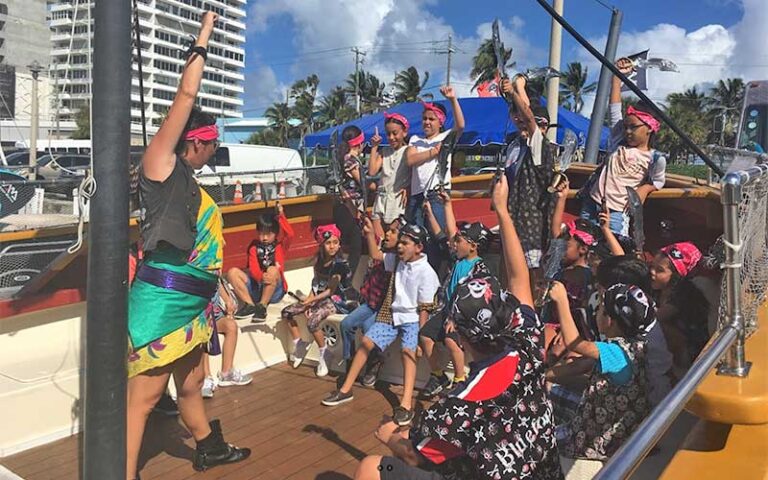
<point x="59" y="146"/>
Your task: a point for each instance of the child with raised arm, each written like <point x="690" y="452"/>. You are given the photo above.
<point x="464" y="243"/>
<point x="634" y="162"/>
<point x="263" y="280"/>
<point x="392" y="194"/>
<point x="498" y="423"/>
<point x="409" y="299"/>
<point x="421" y="156"/>
<point x="614" y="401"/>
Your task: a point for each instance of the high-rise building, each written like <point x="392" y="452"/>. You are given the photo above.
<point x="166" y="26"/>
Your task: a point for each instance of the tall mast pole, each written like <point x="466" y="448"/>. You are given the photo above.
<point x="553" y="86"/>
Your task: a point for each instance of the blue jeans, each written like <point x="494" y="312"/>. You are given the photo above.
<point x="415" y="213"/>
<point x="255" y="289"/>
<point x="590" y="210"/>
<point x="361" y="317"/>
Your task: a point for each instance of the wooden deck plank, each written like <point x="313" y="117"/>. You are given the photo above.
<point x="278" y="416"/>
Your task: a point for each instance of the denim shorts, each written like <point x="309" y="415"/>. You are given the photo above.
<point x="383" y="334"/>
<point x="255" y="288"/>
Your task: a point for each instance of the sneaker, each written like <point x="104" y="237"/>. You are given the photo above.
<point x="300" y="352"/>
<point x="245" y="312"/>
<point x="402" y="416"/>
<point x="337" y="398"/>
<point x="435" y="385"/>
<point x="234" y="378"/>
<point x="167" y="406"/>
<point x="209" y="385"/>
<point x="322" y="363"/>
<point x="259" y="314"/>
<point x="372" y="373"/>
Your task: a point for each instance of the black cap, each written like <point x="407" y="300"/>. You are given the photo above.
<point x="476" y="233"/>
<point x="414" y="232"/>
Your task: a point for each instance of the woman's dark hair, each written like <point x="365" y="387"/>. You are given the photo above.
<point x="267" y="222"/>
<point x="643" y="107"/>
<point x="441" y="107"/>
<point x="197" y="118"/>
<point x="395" y="121"/>
<point x="348" y="134"/>
<point x="626" y="269"/>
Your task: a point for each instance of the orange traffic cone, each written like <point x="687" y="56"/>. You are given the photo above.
<point x="238" y="198"/>
<point x="257" y="195"/>
<point x="281" y="190"/>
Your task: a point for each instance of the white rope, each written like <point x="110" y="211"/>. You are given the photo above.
<point x="736" y="247"/>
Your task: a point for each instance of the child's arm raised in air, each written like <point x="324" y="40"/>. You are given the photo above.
<point x="571" y="336"/>
<point x="434" y="226"/>
<point x="450" y="216"/>
<point x="518" y="280"/>
<point x="376" y="160"/>
<point x="520" y="98"/>
<point x="610" y="239"/>
<point x="286" y="234"/>
<point x="557" y="215"/>
<point x="458" y="115"/>
<point x="374" y="251"/>
<point x="625" y="66"/>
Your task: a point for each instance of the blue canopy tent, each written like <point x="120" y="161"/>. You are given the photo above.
<point x="487" y="122"/>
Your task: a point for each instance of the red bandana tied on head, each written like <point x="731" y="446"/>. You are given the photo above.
<point x="399" y="118"/>
<point x="684" y="256"/>
<point x="358" y="140"/>
<point x="645" y="117"/>
<point x="207" y="133"/>
<point x="433" y="108"/>
<point x="585" y="237"/>
<point x="324" y="232"/>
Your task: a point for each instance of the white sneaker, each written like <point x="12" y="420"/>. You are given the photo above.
<point x="234" y="378"/>
<point x="300" y="352"/>
<point x="209" y="386"/>
<point x="322" y="365"/>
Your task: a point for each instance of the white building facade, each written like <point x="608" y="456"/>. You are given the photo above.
<point x="166" y="26"/>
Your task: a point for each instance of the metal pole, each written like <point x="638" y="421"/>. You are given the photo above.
<point x="137" y="29"/>
<point x="553" y="86"/>
<point x="357" y="53"/>
<point x="626" y="81"/>
<point x="603" y="90"/>
<point x="448" y="68"/>
<point x="104" y="453"/>
<point x="735" y="364"/>
<point x="632" y="452"/>
<point x="34" y="126"/>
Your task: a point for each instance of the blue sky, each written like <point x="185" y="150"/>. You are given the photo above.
<point x="709" y="39"/>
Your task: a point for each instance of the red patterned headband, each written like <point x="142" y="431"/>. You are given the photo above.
<point x="324" y="232"/>
<point x="585" y="237"/>
<point x="684" y="256"/>
<point x="399" y="118"/>
<point x="645" y="117"/>
<point x="204" y="134"/>
<point x="434" y="109"/>
<point x="358" y="140"/>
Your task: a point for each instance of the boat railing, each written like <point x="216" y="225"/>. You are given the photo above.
<point x="264" y="184"/>
<point x="744" y="198"/>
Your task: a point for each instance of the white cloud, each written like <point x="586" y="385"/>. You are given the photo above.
<point x="262" y="89"/>
<point x="394" y="34"/>
<point x="704" y="56"/>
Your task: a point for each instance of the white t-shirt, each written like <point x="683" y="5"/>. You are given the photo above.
<point x="421" y="175"/>
<point x="415" y="283"/>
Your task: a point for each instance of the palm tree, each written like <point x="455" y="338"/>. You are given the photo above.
<point x="691" y="99"/>
<point x="279" y="115"/>
<point x="371" y="90"/>
<point x="408" y="84"/>
<point x="265" y="137"/>
<point x="304" y="94"/>
<point x="573" y="86"/>
<point x="725" y="101"/>
<point x="484" y="66"/>
<point x="334" y="108"/>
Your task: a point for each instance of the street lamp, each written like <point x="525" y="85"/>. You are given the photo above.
<point x="34" y="68"/>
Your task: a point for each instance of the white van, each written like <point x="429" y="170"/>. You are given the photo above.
<point x="251" y="164"/>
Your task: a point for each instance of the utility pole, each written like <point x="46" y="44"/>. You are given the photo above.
<point x="35" y="69"/>
<point x="553" y="86"/>
<point x="448" y="68"/>
<point x="603" y="90"/>
<point x="358" y="61"/>
<point x="58" y="101"/>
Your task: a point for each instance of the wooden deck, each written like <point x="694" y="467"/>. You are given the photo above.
<point x="278" y="416"/>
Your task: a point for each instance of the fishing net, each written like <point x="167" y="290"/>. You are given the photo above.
<point x="21" y="261"/>
<point x="753" y="256"/>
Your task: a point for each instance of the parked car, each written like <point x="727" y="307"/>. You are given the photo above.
<point x="62" y="166"/>
<point x="20" y="158"/>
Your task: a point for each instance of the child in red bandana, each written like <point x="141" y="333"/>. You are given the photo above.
<point x="683" y="309"/>
<point x="634" y="162"/>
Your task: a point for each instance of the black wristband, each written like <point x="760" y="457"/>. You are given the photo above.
<point x="198" y="50"/>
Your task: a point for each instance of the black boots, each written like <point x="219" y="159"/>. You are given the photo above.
<point x="213" y="450"/>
